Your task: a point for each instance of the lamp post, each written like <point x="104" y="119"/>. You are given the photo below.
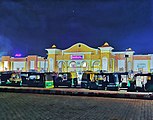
<point x="126" y="63"/>
<point x="45" y="58"/>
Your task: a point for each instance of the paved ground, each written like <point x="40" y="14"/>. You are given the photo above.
<point x="23" y="106"/>
<point x="78" y="92"/>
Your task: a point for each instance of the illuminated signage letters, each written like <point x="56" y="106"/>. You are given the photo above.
<point x="17" y="55"/>
<point x="76" y="57"/>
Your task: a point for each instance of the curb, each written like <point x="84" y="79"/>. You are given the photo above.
<point x="110" y="94"/>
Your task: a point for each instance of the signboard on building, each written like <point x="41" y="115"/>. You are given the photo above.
<point x="77" y="57"/>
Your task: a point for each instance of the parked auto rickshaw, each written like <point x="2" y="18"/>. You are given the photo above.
<point x="103" y="81"/>
<point x="97" y="82"/>
<point x="87" y="77"/>
<point x="34" y="79"/>
<point x="5" y="77"/>
<point x="15" y="79"/>
<point x="63" y="79"/>
<point x="10" y="78"/>
<point x="141" y="82"/>
<point x="113" y="81"/>
<point x="124" y="79"/>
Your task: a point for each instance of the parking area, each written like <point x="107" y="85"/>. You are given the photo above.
<point x="25" y="106"/>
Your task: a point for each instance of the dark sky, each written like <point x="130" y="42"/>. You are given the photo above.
<point x="30" y="26"/>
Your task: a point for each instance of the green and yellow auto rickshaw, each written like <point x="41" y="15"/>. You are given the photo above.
<point x="34" y="79"/>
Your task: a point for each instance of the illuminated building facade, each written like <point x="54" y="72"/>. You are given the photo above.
<point x="81" y="57"/>
<point x="29" y="63"/>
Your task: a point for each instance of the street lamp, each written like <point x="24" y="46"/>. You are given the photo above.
<point x="45" y="58"/>
<point x="126" y="63"/>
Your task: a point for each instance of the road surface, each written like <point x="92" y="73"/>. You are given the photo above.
<point x="24" y="106"/>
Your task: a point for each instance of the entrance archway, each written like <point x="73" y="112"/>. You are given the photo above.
<point x="96" y="66"/>
<point x="84" y="65"/>
<point x="72" y="66"/>
<point x="61" y="66"/>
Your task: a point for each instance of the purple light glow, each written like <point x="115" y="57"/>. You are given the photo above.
<point x="76" y="57"/>
<point x="17" y="55"/>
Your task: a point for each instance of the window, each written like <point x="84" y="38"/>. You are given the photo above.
<point x="121" y="65"/>
<point x="73" y="64"/>
<point x="5" y="65"/>
<point x="49" y="77"/>
<point x="34" y="77"/>
<point x="104" y="63"/>
<point x="32" y="65"/>
<point x="84" y="64"/>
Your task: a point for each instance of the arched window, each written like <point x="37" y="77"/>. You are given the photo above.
<point x="51" y="64"/>
<point x="61" y="66"/>
<point x="96" y="63"/>
<point x="73" y="64"/>
<point x="96" y="66"/>
<point x="104" y="63"/>
<point x="84" y="64"/>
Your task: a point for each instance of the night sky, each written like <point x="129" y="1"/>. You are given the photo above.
<point x="31" y="26"/>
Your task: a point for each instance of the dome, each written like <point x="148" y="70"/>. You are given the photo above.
<point x="53" y="46"/>
<point x="129" y="49"/>
<point x="105" y="44"/>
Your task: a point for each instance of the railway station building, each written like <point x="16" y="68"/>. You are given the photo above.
<point x="80" y="57"/>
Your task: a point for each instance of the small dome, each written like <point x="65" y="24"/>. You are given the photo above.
<point x="53" y="46"/>
<point x="105" y="44"/>
<point x="129" y="49"/>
